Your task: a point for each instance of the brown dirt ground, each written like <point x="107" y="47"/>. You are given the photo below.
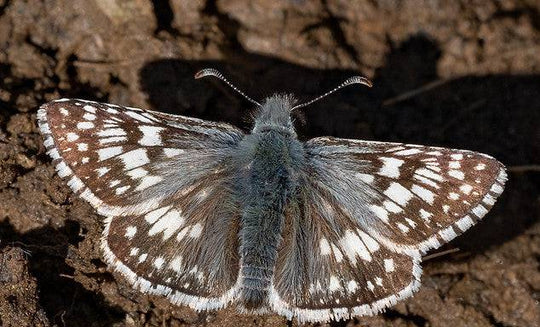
<point x="445" y="72"/>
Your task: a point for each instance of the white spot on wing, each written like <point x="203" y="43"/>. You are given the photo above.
<point x="480" y="166"/>
<point x="410" y="222"/>
<point x="151" y="135"/>
<point x="390" y="167"/>
<point x="113" y="139"/>
<point x="479" y="211"/>
<point x="489" y="200"/>
<point x="158" y="262"/>
<point x="148" y="181"/>
<point x="403" y="228"/>
<point x="380" y="212"/>
<point x="130" y="232"/>
<point x="134" y="158"/>
<point x="113" y="183"/>
<point x="138" y="117"/>
<point x="389" y="265"/>
<point x="352" y="286"/>
<point x="75" y="183"/>
<point x="426" y="181"/>
<point x="466" y="188"/>
<point x="72" y="137"/>
<point x="325" y="247"/>
<point x="464" y="223"/>
<point x="182" y="233"/>
<point x="446" y="208"/>
<point x="453" y="196"/>
<point x="429" y="174"/>
<point x="153" y="216"/>
<point x="85" y="125"/>
<point x="168" y="224"/>
<point x="111" y="132"/>
<point x="171" y="152"/>
<point x="102" y="171"/>
<point x="456" y="174"/>
<point x="371" y="244"/>
<point x="353" y="246"/>
<point x="407" y="152"/>
<point x="454" y="165"/>
<point x="378" y="281"/>
<point x="143" y="257"/>
<point x="196" y="231"/>
<point x="396" y="148"/>
<point x="398" y="193"/>
<point x="337" y="253"/>
<point x="365" y="177"/>
<point x="122" y="190"/>
<point x="106" y="153"/>
<point x="137" y="173"/>
<point x="448" y="234"/>
<point x="176" y="264"/>
<point x="49" y="142"/>
<point x="89" y="109"/>
<point x="334" y="284"/>
<point x="423" y="193"/>
<point x="89" y="116"/>
<point x="425" y="214"/>
<point x="392" y="207"/>
<point x="496" y="188"/>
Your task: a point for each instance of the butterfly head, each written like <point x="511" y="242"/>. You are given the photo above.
<point x="275" y="114"/>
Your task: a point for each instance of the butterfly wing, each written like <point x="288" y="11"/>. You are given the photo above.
<point x="163" y="182"/>
<point x="364" y="214"/>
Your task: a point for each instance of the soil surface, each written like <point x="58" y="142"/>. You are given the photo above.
<point x="446" y="73"/>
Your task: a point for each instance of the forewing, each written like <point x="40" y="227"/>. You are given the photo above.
<point x="409" y="197"/>
<point x="163" y="183"/>
<point x="364" y="214"/>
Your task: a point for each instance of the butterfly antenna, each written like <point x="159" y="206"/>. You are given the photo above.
<point x="349" y="81"/>
<point x="214" y="72"/>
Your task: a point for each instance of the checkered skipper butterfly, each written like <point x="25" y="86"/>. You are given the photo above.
<point x="209" y="216"/>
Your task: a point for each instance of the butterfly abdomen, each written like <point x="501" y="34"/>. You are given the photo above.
<point x="267" y="182"/>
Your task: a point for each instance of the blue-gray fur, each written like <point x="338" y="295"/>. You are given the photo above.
<point x="271" y="161"/>
<point x="275" y="114"/>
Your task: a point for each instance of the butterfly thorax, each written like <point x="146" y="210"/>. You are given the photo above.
<point x="269" y="176"/>
<point x="275" y="114"/>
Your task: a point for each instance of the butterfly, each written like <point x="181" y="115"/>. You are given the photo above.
<point x="210" y="216"/>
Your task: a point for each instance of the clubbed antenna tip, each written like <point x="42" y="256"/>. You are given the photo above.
<point x="208" y="72"/>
